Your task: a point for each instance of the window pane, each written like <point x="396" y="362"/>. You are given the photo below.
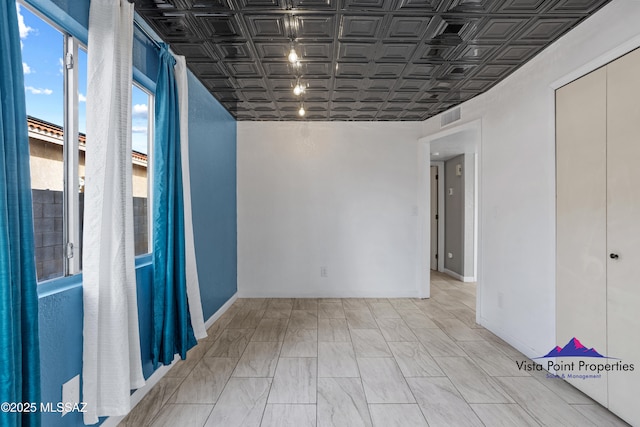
<point x="139" y="143"/>
<point x="42" y="53"/>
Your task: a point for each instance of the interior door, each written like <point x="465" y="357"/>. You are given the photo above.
<point x="623" y="232"/>
<point x="434" y="217"/>
<point x="581" y="216"/>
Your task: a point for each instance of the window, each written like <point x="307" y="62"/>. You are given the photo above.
<point x="43" y="50"/>
<point x="55" y="68"/>
<point x="140" y="141"/>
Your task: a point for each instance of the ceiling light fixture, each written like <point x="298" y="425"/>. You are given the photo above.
<point x="299" y="88"/>
<point x="301" y="111"/>
<point x="293" y="55"/>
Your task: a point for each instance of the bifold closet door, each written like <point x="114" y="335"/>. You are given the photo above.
<point x="581" y="282"/>
<point x="623" y="232"/>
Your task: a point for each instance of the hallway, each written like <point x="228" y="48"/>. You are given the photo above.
<point x="360" y="362"/>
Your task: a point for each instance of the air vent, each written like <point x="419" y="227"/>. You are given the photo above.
<point x="450" y="117"/>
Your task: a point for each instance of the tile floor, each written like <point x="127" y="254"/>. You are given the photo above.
<point x="360" y="362"/>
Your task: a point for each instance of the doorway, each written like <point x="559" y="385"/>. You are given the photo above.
<point x="434" y="217"/>
<point x="450" y="231"/>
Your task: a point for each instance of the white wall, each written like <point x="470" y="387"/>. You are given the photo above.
<point x="517" y="176"/>
<point x="336" y="194"/>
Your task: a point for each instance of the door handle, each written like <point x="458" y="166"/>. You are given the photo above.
<point x="614" y="256"/>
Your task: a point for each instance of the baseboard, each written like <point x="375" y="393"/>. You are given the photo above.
<point x="137" y="396"/>
<point x="514" y="342"/>
<point x="459" y="276"/>
<point x="292" y="293"/>
<point x="330" y="295"/>
<point x="221" y="311"/>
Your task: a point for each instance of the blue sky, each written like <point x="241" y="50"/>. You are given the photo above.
<point x="42" y="53"/>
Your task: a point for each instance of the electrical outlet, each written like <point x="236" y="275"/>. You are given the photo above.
<point x="323" y="271"/>
<point x="71" y="393"/>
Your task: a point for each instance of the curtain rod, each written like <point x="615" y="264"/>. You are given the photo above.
<point x="146" y="33"/>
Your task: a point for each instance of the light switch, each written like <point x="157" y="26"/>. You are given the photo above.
<point x="451" y="191"/>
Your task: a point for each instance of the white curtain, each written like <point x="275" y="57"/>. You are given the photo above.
<point x="193" y="287"/>
<point x="111" y="352"/>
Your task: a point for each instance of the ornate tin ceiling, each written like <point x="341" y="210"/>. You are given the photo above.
<point x="360" y="59"/>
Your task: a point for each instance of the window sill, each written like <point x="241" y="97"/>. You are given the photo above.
<point x="62" y="284"/>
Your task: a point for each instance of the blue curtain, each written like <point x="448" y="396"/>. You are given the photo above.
<point x="19" y="345"/>
<point x="173" y="333"/>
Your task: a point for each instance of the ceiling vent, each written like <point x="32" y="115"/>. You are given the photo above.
<point x="449" y="117"/>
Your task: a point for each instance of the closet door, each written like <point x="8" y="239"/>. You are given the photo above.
<point x="623" y="232"/>
<point x="581" y="283"/>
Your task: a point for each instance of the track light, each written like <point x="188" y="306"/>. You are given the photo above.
<point x="293" y="55"/>
<point x="301" y="111"/>
<point x="298" y="89"/>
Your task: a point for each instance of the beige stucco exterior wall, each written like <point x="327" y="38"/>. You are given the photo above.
<point x="46" y="163"/>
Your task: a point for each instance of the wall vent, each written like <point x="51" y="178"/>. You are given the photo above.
<point x="450" y="117"/>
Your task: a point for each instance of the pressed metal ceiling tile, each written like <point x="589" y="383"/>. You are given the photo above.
<point x="219" y="27"/>
<point x="258" y="4"/>
<point x="525" y="6"/>
<point x="356" y="52"/>
<point x="234" y="52"/>
<point x="407" y="27"/>
<point x="575" y="6"/>
<point x="498" y="29"/>
<point x="545" y="30"/>
<point x="359" y="27"/>
<point x="279" y="69"/>
<point x="348" y="84"/>
<point x="318" y="85"/>
<point x="404" y="87"/>
<point x="314" y="4"/>
<point x="367" y="4"/>
<point x="244" y="69"/>
<point x="317" y="51"/>
<point x="352" y="70"/>
<point x="515" y="54"/>
<point x="383" y="85"/>
<point x="272" y="51"/>
<point x="196" y="51"/>
<point x="387" y="70"/>
<point x="207" y="69"/>
<point x="427" y="6"/>
<point x="359" y="59"/>
<point x="395" y="52"/>
<point x="315" y="27"/>
<point x="252" y="84"/>
<point x="267" y="27"/>
<point x="474" y="52"/>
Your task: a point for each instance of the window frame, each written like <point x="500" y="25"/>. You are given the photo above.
<point x="70" y="149"/>
<point x="71" y="200"/>
<point x="150" y="132"/>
